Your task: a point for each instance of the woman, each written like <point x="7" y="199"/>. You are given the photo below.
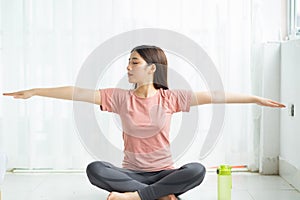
<point x="148" y="172"/>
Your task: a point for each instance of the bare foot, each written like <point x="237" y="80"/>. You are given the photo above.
<point x="123" y="196"/>
<point x="169" y="197"/>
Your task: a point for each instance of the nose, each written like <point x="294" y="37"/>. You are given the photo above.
<point x="128" y="68"/>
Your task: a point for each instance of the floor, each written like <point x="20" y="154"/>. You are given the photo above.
<point x="75" y="186"/>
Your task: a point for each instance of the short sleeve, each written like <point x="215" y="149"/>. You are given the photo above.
<point x="111" y="99"/>
<point x="180" y="100"/>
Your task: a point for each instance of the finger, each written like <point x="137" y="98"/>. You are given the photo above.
<point x="12" y="94"/>
<point x="270" y="104"/>
<point x="18" y="96"/>
<point x="279" y="104"/>
<point x="276" y="104"/>
<point x="8" y="94"/>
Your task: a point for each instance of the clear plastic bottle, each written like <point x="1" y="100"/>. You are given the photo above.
<point x="224" y="182"/>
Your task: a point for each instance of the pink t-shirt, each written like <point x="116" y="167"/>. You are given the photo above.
<point x="146" y="124"/>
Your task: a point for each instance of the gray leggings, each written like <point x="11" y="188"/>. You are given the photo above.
<point x="149" y="185"/>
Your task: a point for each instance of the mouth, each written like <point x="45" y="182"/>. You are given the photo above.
<point x="129" y="74"/>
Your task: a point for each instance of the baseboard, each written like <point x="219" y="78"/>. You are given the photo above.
<point x="269" y="166"/>
<point x="289" y="172"/>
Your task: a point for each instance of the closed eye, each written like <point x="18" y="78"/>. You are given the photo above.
<point x="134" y="63"/>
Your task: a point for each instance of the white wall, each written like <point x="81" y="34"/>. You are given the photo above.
<point x="270" y="119"/>
<point x="266" y="27"/>
<point x="290" y="126"/>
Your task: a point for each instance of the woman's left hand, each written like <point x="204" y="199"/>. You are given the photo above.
<point x="270" y="103"/>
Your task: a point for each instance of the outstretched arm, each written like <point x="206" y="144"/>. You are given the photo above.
<point x="67" y="93"/>
<point x="200" y="98"/>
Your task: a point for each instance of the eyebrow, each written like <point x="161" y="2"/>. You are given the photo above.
<point x="133" y="58"/>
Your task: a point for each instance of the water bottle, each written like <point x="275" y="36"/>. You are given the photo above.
<point x="224" y="182"/>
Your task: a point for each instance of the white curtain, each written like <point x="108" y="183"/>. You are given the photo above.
<point x="44" y="43"/>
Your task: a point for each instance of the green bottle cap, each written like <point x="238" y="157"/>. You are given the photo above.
<point x="224" y="170"/>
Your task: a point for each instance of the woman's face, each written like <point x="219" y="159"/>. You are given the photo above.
<point x="138" y="70"/>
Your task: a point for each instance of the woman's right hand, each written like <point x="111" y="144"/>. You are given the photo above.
<point x="25" y="94"/>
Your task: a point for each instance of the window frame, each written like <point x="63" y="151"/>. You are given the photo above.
<point x="293" y="29"/>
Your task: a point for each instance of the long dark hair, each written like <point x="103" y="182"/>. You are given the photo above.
<point x="155" y="55"/>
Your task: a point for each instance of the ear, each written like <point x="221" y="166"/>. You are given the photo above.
<point x="153" y="68"/>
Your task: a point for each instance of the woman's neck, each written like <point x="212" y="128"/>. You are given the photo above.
<point x="145" y="90"/>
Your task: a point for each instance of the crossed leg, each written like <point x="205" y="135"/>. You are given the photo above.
<point x="126" y="184"/>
